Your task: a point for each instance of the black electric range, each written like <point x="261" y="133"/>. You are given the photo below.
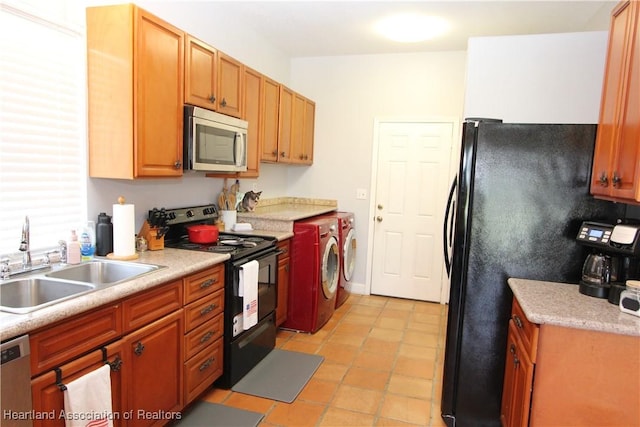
<point x="244" y="345"/>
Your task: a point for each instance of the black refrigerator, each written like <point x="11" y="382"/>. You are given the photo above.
<point x="514" y="209"/>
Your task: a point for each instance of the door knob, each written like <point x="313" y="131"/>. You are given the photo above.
<point x="379" y="218"/>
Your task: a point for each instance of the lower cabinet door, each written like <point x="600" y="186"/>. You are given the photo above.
<point x="518" y="382"/>
<point x="202" y="370"/>
<point x="153" y="372"/>
<point x="48" y="398"/>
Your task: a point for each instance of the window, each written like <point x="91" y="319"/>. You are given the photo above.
<point x="42" y="121"/>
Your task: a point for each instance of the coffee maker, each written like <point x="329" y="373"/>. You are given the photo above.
<point x="613" y="259"/>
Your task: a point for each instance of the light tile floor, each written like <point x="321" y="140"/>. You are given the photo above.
<point x="382" y="367"/>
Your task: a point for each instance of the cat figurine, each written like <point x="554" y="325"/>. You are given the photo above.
<point x="249" y="201"/>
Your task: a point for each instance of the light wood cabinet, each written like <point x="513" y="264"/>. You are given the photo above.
<point x="152" y="370"/>
<point x="303" y="123"/>
<point x="283" y="281"/>
<point x="557" y="375"/>
<point x="164" y="344"/>
<point x="616" y="167"/>
<point x="48" y="397"/>
<point x="293" y="143"/>
<point x="230" y="88"/>
<point x="270" y="114"/>
<point x="518" y="377"/>
<point x="58" y="344"/>
<point x="135" y="93"/>
<point x="200" y="73"/>
<point x="203" y="330"/>
<point x="252" y="113"/>
<point x="285" y="124"/>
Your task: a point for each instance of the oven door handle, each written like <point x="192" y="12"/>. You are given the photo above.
<point x="238" y="263"/>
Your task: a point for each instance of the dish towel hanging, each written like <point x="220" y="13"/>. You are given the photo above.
<point x="87" y="400"/>
<point x="248" y="290"/>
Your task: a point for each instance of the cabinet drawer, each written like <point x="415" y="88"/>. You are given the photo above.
<point x="64" y="342"/>
<point x="202" y="370"/>
<point x="202" y="336"/>
<point x="527" y="331"/>
<point x="196" y="313"/>
<point x="203" y="283"/>
<point x="143" y="309"/>
<point x="285" y="247"/>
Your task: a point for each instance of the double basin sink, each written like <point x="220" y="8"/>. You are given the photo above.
<point x="32" y="292"/>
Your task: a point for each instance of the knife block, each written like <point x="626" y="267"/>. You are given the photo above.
<point x="154" y="243"/>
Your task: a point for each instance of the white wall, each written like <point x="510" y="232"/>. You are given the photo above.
<point x="548" y="78"/>
<point x="350" y="92"/>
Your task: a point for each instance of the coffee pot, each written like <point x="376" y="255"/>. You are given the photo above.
<point x="598" y="272"/>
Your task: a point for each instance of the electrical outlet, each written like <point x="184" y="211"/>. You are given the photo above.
<point x="361" y="194"/>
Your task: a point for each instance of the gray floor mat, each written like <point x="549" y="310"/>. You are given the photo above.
<point x="281" y="375"/>
<point x="207" y="414"/>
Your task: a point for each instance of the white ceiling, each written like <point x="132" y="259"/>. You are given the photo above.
<point x="326" y="28"/>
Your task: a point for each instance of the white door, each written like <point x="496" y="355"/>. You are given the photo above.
<point x="412" y="184"/>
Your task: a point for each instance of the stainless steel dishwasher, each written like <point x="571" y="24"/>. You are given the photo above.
<point x="15" y="383"/>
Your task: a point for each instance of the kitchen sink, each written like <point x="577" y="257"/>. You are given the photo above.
<point x="29" y="294"/>
<point x="24" y="295"/>
<point x="102" y="272"/>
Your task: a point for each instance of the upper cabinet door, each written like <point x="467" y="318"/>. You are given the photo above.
<point x="135" y="75"/>
<point x="253" y="90"/>
<point x="270" y="108"/>
<point x="616" y="171"/>
<point x="229" y="85"/>
<point x="159" y="97"/>
<point x="200" y="74"/>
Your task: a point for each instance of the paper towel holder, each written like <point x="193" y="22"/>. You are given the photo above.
<point x="112" y="255"/>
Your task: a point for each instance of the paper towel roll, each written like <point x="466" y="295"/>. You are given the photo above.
<point x="124" y="233"/>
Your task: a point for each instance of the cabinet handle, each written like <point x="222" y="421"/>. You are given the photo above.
<point x="206" y="337"/>
<point x="208" y="283"/>
<point x="603" y="180"/>
<point x="516" y="361"/>
<point x="208" y="309"/>
<point x="512" y="349"/>
<point x="139" y="348"/>
<point x="274" y="153"/>
<point x="116" y="364"/>
<point x="177" y="164"/>
<point x="517" y="321"/>
<point x="212" y="99"/>
<point x="224" y="102"/>
<point x="282" y="154"/>
<point x="616" y="180"/>
<point x="206" y="364"/>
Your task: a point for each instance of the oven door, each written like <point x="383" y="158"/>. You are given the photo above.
<point x="267" y="288"/>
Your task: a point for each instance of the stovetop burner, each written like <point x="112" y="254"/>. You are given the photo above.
<point x="237" y="245"/>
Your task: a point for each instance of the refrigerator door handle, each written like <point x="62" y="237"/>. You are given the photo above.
<point x="447" y="234"/>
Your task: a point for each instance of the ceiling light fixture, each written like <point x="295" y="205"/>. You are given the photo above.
<point x="411" y="27"/>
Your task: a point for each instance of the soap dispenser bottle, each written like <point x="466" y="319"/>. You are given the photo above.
<point x="73" y="249"/>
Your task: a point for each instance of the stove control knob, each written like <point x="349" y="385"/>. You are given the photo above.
<point x="189" y="213"/>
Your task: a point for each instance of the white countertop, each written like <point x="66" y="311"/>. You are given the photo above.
<point x="178" y="263"/>
<point x="561" y="304"/>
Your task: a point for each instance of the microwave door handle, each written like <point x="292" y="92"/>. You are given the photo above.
<point x="240" y="148"/>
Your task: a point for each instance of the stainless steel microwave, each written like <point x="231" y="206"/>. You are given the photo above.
<point x="214" y="142"/>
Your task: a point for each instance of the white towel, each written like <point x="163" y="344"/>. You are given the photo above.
<point x="87" y="400"/>
<point x="248" y="290"/>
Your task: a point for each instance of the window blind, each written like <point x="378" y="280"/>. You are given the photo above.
<point x="43" y="172"/>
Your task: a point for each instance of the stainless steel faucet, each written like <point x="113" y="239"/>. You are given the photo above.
<point x="24" y="245"/>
